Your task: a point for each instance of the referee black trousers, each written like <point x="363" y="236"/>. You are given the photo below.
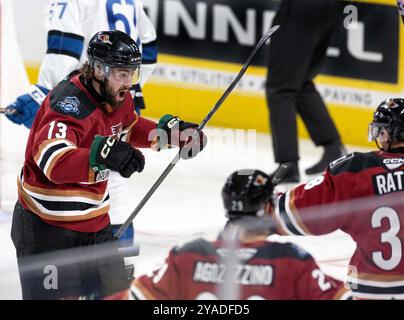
<point x="294" y="59"/>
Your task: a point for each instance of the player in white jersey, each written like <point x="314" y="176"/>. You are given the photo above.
<point x="71" y="23"/>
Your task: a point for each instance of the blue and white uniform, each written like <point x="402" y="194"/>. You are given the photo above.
<point x="72" y="23"/>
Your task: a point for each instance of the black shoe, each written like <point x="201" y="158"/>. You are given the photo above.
<point x="331" y="153"/>
<point x="287" y="172"/>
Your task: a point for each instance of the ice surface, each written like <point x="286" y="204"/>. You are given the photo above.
<point x="187" y="205"/>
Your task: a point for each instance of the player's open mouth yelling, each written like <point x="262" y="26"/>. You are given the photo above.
<point x="122" y="93"/>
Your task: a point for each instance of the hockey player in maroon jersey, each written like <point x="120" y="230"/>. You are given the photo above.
<point x="361" y="194"/>
<point x="264" y="269"/>
<point x="86" y="127"/>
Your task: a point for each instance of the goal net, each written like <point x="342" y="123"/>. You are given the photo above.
<point x="13" y="82"/>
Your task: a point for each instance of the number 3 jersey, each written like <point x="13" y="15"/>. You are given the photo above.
<point x="265" y="270"/>
<point x="361" y="194"/>
<point x="72" y="23"/>
<point x="57" y="182"/>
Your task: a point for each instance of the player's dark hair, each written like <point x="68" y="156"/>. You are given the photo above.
<point x="87" y="71"/>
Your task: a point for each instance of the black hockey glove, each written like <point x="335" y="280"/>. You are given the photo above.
<point x="175" y="132"/>
<point x="107" y="152"/>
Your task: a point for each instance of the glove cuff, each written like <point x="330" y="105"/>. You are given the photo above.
<point x="38" y="93"/>
<point x="167" y="122"/>
<point x="164" y="128"/>
<point x="95" y="146"/>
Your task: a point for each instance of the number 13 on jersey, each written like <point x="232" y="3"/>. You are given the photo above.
<point x="57" y="130"/>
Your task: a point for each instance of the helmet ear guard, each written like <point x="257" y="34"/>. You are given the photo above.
<point x="97" y="54"/>
<point x="102" y="68"/>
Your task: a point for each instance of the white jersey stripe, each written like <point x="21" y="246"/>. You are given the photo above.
<point x="70" y="212"/>
<point x="280" y="220"/>
<point x="45" y="170"/>
<point x="291" y="215"/>
<point x="50" y="145"/>
<point x="377" y="296"/>
<point x="64" y="199"/>
<point x="136" y="294"/>
<point x="380" y="284"/>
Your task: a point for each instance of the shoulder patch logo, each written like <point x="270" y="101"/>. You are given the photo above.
<point x="70" y="105"/>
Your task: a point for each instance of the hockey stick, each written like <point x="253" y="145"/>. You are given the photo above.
<point x="172" y="164"/>
<point x="7" y="111"/>
<point x="280" y="173"/>
<point x="400" y="4"/>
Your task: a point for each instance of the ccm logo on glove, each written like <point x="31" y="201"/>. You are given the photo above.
<point x="106" y="152"/>
<point x="107" y="147"/>
<point x="172" y="131"/>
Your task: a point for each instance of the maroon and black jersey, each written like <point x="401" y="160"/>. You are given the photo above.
<point x="265" y="270"/>
<point x="57" y="182"/>
<point x="361" y="194"/>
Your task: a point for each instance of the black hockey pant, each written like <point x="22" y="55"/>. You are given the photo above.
<point x="57" y="263"/>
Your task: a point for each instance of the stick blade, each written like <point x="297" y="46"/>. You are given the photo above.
<point x="283" y="169"/>
<point x="7" y="111"/>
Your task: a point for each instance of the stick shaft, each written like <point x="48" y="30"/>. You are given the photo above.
<point x="240" y="74"/>
<point x="146" y="198"/>
<point x="7" y="111"/>
<point x="172" y="164"/>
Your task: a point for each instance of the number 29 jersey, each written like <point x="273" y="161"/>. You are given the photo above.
<point x="264" y="271"/>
